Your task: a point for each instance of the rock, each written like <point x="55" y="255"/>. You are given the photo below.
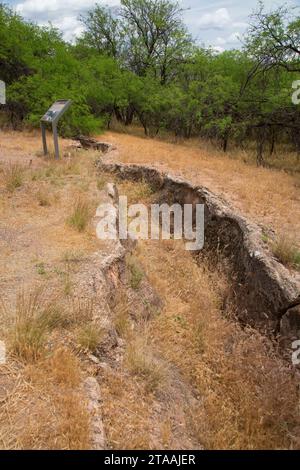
<point x="290" y="323"/>
<point x="94" y="359"/>
<point x="92" y="390"/>
<point x="90" y="143"/>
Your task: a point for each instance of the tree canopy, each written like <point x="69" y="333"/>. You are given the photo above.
<point x="138" y="64"/>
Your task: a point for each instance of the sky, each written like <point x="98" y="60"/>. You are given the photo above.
<point x="215" y="23"/>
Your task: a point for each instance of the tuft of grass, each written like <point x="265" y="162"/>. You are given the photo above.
<point x="121" y="320"/>
<point x="80" y="216"/>
<point x="286" y="251"/>
<point x="122" y="324"/>
<point x="43" y="198"/>
<point x="136" y="273"/>
<point x="141" y="191"/>
<point x="34" y="319"/>
<point x="90" y="336"/>
<point x="101" y="182"/>
<point x="67" y="285"/>
<point x="65" y="368"/>
<point x="72" y="256"/>
<point x="40" y="267"/>
<point x="13" y="176"/>
<point x="141" y="362"/>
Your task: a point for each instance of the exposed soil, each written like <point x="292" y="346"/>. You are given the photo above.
<point x="167" y="369"/>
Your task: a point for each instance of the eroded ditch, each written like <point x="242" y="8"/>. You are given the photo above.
<point x="187" y="375"/>
<point x="171" y="368"/>
<point x="265" y="293"/>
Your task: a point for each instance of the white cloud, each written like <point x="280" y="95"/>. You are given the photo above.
<point x="220" y="41"/>
<point x="62" y="14"/>
<point x="33" y="7"/>
<point x="216" y="20"/>
<point x="218" y="49"/>
<point x="229" y="41"/>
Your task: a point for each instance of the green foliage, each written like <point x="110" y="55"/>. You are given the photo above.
<point x="139" y="65"/>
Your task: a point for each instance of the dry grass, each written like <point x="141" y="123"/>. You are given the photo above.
<point x="90" y="336"/>
<point x="127" y="413"/>
<point x="284" y="248"/>
<point x="34" y="318"/>
<point x="81" y="215"/>
<point x="81" y="310"/>
<point x="136" y="193"/>
<point x="47" y="409"/>
<point x="122" y="315"/>
<point x="269" y="196"/>
<point x="44" y="403"/>
<point x="43" y="197"/>
<point x="13" y="176"/>
<point x="248" y="397"/>
<point x="135" y="271"/>
<point x="141" y="361"/>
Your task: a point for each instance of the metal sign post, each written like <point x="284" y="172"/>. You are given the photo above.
<point x="52" y="117"/>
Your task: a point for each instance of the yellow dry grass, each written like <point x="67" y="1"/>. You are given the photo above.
<point x="43" y="404"/>
<point x="248" y="398"/>
<point x="268" y="196"/>
<point x="245" y="395"/>
<point x="45" y="408"/>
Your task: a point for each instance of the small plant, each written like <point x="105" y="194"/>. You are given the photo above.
<point x="122" y="323"/>
<point x="72" y="256"/>
<point x="80" y="216"/>
<point x="13" y="175"/>
<point x="43" y="198"/>
<point x="64" y="367"/>
<point x="141" y="362"/>
<point x="40" y="267"/>
<point x="100" y="183"/>
<point x="136" y="274"/>
<point x="90" y="336"/>
<point x="34" y="319"/>
<point x="68" y="285"/>
<point x="287" y="253"/>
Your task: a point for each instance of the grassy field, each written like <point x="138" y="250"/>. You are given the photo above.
<point x="229" y="389"/>
<point x="270" y="197"/>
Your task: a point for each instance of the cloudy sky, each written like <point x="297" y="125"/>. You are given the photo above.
<point x="218" y="23"/>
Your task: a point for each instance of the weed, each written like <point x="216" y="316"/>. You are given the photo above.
<point x="34" y="319"/>
<point x="40" y="267"/>
<point x="80" y="216"/>
<point x="141" y="362"/>
<point x="136" y="274"/>
<point x="13" y="176"/>
<point x="90" y="336"/>
<point x="286" y="251"/>
<point x="101" y="182"/>
<point x="43" y="198"/>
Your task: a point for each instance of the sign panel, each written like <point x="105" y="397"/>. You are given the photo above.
<point x="52" y="116"/>
<point x="56" y="111"/>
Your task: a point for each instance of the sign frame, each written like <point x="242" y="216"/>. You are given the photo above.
<point x="52" y="116"/>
